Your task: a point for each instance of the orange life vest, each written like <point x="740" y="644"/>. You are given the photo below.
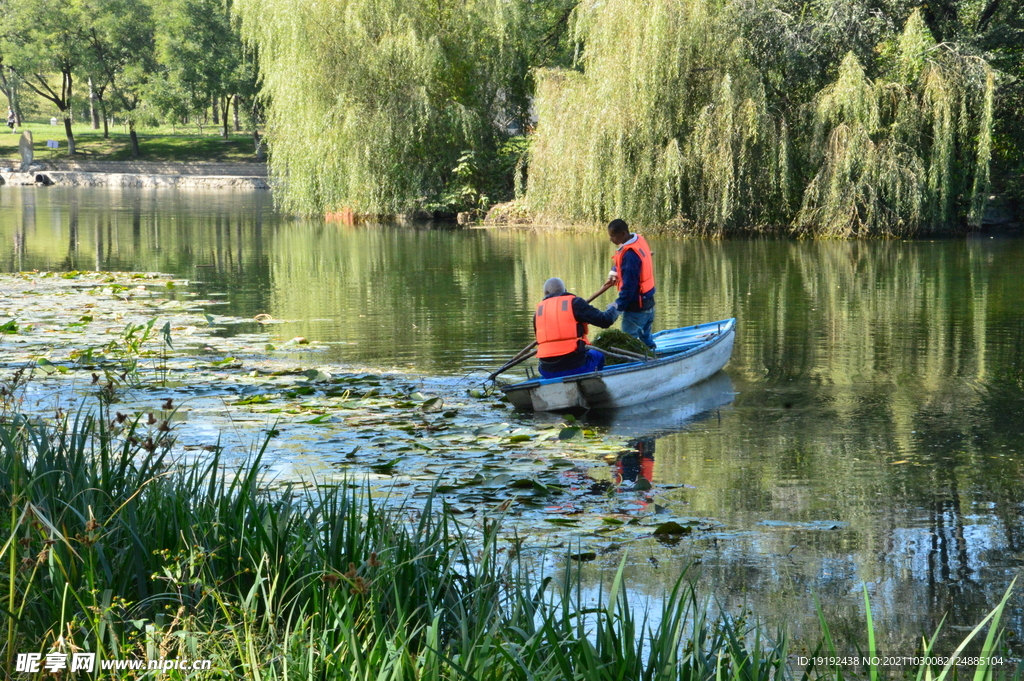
<point x="641" y="248"/>
<point x="558" y="332"/>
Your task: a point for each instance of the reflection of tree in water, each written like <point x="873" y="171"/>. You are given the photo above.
<point x="215" y="238"/>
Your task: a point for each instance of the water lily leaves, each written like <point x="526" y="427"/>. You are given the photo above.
<point x="528" y="483"/>
<point x="569" y="433"/>
<point x="812" y="525"/>
<point x="493" y="429"/>
<point x="641" y="485"/>
<point x="255" y="399"/>
<point x="386" y="468"/>
<point x="420" y="424"/>
<point x="316" y="375"/>
<point x="49" y="367"/>
<point x="433" y="404"/>
<point x="671" y="528"/>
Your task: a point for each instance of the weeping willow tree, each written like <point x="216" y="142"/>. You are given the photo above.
<point x="664" y="119"/>
<point x="901" y="155"/>
<point x="373" y="102"/>
<point x="667" y="119"/>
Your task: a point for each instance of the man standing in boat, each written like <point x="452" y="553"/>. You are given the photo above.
<point x="561" y="326"/>
<point x="633" y="272"/>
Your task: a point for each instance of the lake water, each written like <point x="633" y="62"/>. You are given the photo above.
<point x="868" y="429"/>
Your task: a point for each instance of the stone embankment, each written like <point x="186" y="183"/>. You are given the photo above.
<point x="141" y="174"/>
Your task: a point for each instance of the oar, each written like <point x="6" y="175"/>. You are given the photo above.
<point x="525" y="353"/>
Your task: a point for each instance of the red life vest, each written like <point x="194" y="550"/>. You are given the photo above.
<point x="558" y="332"/>
<point x="640" y="247"/>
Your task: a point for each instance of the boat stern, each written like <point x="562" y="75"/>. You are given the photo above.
<point x="543" y="396"/>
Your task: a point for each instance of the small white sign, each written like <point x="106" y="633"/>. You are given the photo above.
<point x="52" y="144"/>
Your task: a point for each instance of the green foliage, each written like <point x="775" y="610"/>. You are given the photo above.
<point x="666" y="119"/>
<point x="202" y="59"/>
<point x="903" y="155"/>
<point x="610" y="339"/>
<point x="710" y="117"/>
<point x="386" y="106"/>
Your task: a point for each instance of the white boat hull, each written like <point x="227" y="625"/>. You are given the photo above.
<point x="685" y="357"/>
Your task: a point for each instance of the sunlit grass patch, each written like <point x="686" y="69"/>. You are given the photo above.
<point x="156" y="144"/>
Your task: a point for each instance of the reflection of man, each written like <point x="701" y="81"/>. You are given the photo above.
<point x="633" y="272"/>
<point x="561" y="326"/>
<point x="636" y="463"/>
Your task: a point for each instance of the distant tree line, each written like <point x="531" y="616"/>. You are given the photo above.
<point x="136" y="60"/>
<point x="823" y="117"/>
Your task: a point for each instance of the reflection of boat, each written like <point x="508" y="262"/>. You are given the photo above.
<point x="669" y="414"/>
<point x="684" y="357"/>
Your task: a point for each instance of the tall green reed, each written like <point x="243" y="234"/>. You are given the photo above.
<point x="112" y="547"/>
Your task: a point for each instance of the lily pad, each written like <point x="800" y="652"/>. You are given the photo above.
<point x="569" y="433"/>
<point x="671" y="528"/>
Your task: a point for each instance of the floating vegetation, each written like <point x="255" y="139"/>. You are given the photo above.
<point x="612" y="339"/>
<point x="134" y="345"/>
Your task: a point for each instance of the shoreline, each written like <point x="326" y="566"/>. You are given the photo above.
<point x="139" y="174"/>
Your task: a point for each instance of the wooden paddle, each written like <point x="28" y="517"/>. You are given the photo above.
<point x="526" y="353"/>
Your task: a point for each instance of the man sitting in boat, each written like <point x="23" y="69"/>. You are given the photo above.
<point x="561" y="326"/>
<point x="633" y="272"/>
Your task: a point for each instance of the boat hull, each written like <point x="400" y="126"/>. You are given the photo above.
<point x="685" y="357"/>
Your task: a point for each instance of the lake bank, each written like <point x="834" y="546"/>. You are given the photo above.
<point x="141" y="174"/>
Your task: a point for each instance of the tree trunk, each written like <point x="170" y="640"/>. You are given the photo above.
<point x="106" y="120"/>
<point x="225" y="103"/>
<point x="9" y="88"/>
<point x="94" y="113"/>
<point x="67" y="131"/>
<point x="238" y="125"/>
<point x="216" y="111"/>
<point x="15" y="100"/>
<point x="133" y="137"/>
<point x="261" y="153"/>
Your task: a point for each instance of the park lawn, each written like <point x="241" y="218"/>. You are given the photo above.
<point x="155" y="144"/>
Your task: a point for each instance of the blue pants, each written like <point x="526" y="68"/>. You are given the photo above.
<point x="595" y="362"/>
<point x="638" y="325"/>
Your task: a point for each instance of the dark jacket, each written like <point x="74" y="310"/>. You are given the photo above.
<point x="585" y="313"/>
<point x="629" y="295"/>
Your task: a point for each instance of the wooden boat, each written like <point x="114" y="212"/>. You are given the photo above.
<point x="684" y="357"/>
